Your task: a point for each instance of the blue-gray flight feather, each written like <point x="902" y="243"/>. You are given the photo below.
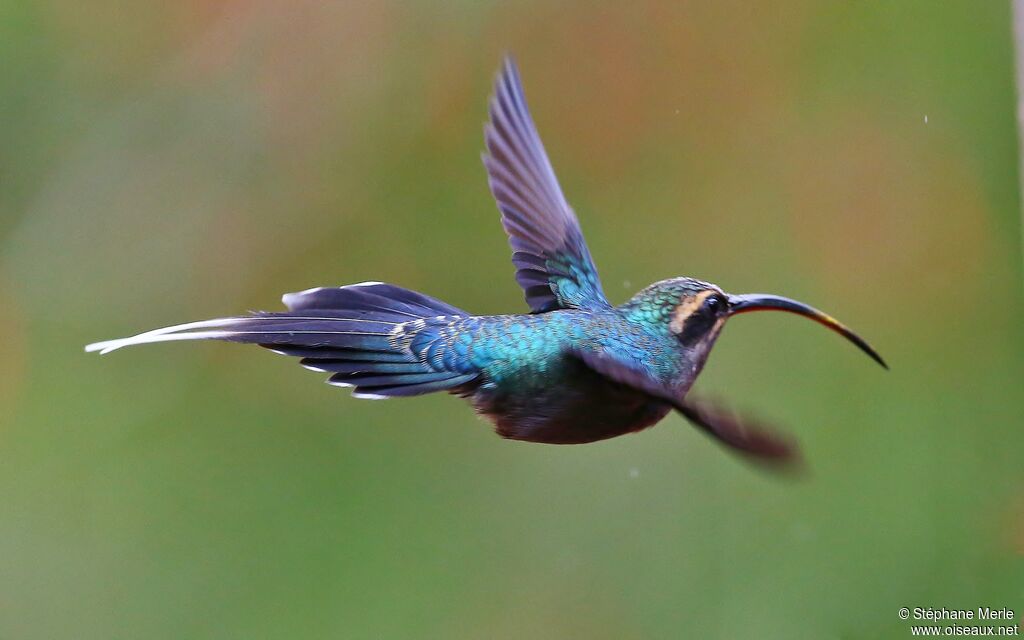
<point x="553" y="264"/>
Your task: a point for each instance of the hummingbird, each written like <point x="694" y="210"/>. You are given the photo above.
<point x="575" y="369"/>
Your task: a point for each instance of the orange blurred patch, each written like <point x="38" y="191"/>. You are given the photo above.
<point x="683" y="99"/>
<point x="587" y="78"/>
<point x="137" y="37"/>
<point x="303" y="60"/>
<point x="886" y="216"/>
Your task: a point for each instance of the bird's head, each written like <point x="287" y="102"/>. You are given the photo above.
<point x="695" y="312"/>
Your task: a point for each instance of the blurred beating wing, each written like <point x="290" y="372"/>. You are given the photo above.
<point x="553" y="265"/>
<point x="749" y="439"/>
<point x="744" y="436"/>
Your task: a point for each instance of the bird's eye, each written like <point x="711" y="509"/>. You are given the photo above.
<point x="714" y="303"/>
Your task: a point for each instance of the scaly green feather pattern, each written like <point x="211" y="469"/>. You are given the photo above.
<point x="523" y="351"/>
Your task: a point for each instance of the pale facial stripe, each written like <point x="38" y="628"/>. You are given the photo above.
<point x="685" y="310"/>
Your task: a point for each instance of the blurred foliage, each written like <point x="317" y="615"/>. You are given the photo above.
<point x="163" y="162"/>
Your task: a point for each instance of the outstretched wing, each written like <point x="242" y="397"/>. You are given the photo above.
<point x="748" y="438"/>
<point x="744" y="435"/>
<point x="553" y="265"/>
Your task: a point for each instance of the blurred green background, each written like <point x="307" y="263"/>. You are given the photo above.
<point x="166" y="162"/>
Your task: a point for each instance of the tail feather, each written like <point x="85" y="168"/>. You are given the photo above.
<point x="371" y="296"/>
<point x="381" y="339"/>
<point x="360" y="366"/>
<point x="339" y="353"/>
<point x="453" y="384"/>
<point x="380" y="379"/>
<point x="270" y="330"/>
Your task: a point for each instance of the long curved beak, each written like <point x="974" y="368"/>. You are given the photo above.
<point x="766" y="302"/>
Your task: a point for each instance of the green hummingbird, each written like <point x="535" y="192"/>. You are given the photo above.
<point x="574" y="369"/>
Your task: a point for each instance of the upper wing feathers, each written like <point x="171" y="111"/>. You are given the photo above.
<point x="553" y="263"/>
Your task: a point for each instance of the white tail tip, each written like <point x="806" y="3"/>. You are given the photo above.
<point x="166" y="334"/>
